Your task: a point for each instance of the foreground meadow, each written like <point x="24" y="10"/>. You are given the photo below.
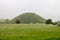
<point x="29" y="32"/>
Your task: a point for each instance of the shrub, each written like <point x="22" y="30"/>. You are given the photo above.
<point x="17" y="22"/>
<point x="49" y="21"/>
<point x="54" y="23"/>
<point x="6" y="21"/>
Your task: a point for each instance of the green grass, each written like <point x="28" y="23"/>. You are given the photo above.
<point x="29" y="32"/>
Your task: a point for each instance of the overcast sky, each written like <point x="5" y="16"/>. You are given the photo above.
<point x="49" y="9"/>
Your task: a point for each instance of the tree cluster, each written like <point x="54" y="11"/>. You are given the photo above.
<point x="49" y="21"/>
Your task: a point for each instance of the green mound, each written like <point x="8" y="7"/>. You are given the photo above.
<point x="29" y="18"/>
<point x="2" y="21"/>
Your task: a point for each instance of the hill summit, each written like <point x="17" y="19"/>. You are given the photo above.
<point x="29" y="18"/>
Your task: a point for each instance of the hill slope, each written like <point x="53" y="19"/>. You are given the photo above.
<point x="29" y="18"/>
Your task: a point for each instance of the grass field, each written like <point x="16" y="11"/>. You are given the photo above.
<point x="29" y="32"/>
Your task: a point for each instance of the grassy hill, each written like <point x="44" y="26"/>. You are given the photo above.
<point x="2" y="21"/>
<point x="29" y="18"/>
